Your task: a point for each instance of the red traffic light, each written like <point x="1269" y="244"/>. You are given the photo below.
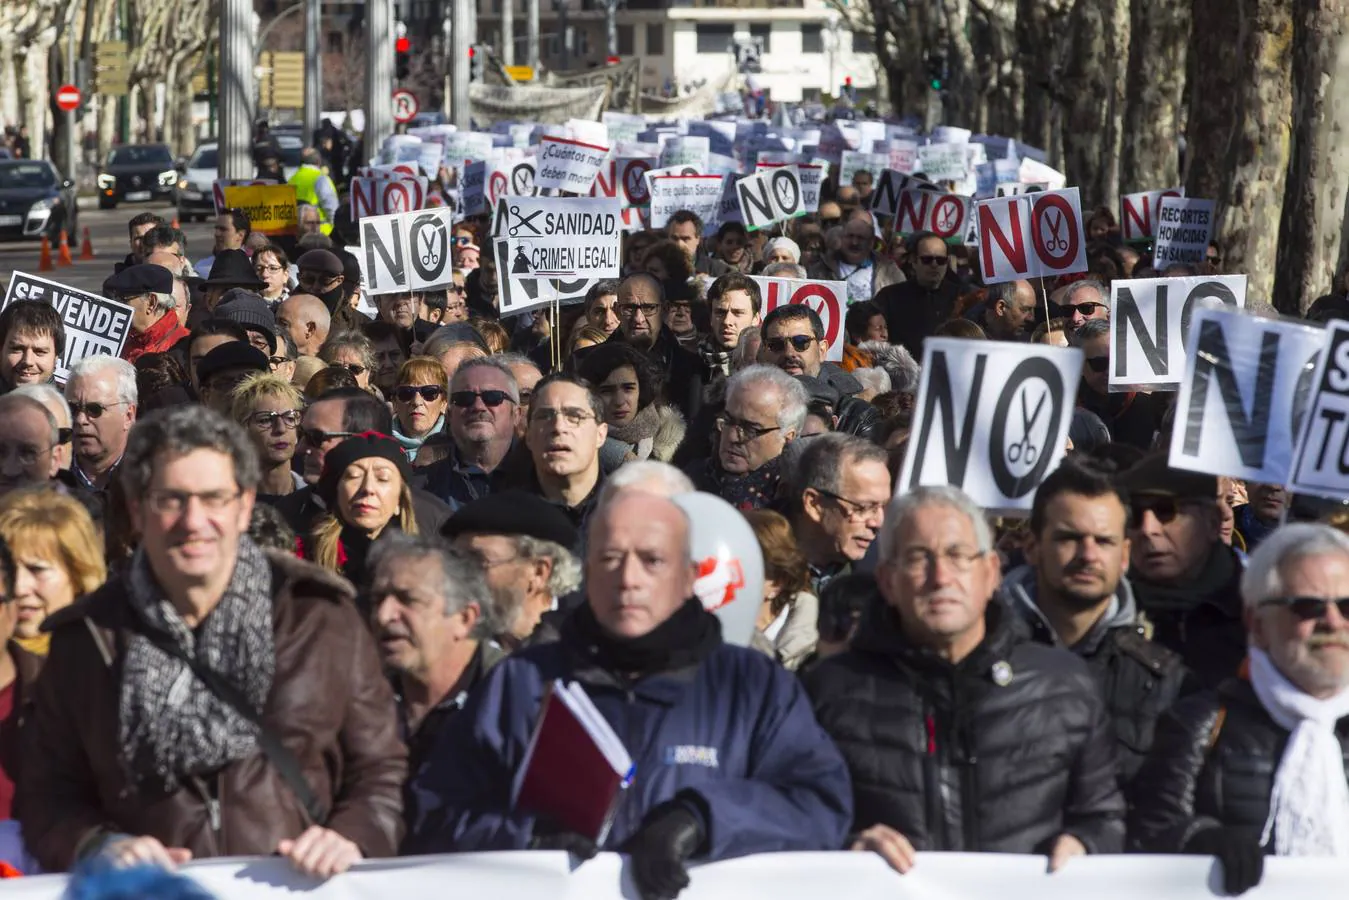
<point x="402" y="45"/>
<point x="848" y="81"/>
<point x="472" y="52"/>
<point x="612" y="60"/>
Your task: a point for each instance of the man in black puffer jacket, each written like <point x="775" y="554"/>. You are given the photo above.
<point x="961" y="735"/>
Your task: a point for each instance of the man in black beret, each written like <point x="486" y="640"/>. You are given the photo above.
<point x="148" y="290"/>
<point x="221" y="371"/>
<point x="521" y="541"/>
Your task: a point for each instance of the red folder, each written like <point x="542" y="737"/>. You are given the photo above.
<point x="575" y="768"/>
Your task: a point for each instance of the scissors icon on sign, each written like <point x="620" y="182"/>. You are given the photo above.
<point x="1023" y="450"/>
<point x="1056" y="243"/>
<point x="430" y="253"/>
<point x="523" y="221"/>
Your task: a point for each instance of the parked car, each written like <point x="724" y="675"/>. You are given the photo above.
<point x="35" y="199"/>
<point x="193" y="193"/>
<point x="135" y="173"/>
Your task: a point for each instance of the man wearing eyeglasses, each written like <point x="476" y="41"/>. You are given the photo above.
<point x="101" y="392"/>
<point x="1256" y="767"/>
<point x="856" y="261"/>
<point x="566" y="430"/>
<point x="1185" y="578"/>
<point x="914" y="310"/>
<point x="960" y="733"/>
<point x="1132" y="417"/>
<point x="837" y="492"/>
<point x="1073" y="593"/>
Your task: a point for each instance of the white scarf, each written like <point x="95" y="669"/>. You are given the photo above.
<point x="1309" y="808"/>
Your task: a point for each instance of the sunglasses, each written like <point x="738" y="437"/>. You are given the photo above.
<point x="932" y="260"/>
<point x="355" y="369"/>
<point x="1309" y="608"/>
<point x="1164" y="508"/>
<point x="1098" y="363"/>
<point x="429" y="392"/>
<point x="800" y="343"/>
<point x="829" y="222"/>
<point x="1085" y="309"/>
<point x="462" y="241"/>
<point x="92" y="410"/>
<point x="491" y="399"/>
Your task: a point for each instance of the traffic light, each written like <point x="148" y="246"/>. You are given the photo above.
<point x="402" y="58"/>
<point x="475" y="63"/>
<point x="936" y="69"/>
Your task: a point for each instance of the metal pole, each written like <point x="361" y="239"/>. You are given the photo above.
<point x="508" y="32"/>
<point x="459" y="64"/>
<point x="71" y="78"/>
<point x="236" y="88"/>
<point x="611" y="27"/>
<point x="313" y="69"/>
<point x="532" y="34"/>
<point x="379" y="60"/>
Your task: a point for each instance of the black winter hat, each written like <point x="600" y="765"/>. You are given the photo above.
<point x="512" y="512"/>
<point x="365" y="445"/>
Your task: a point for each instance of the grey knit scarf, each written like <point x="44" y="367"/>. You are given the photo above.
<point x="172" y="725"/>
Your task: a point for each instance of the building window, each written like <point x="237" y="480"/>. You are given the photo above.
<point x="863" y="42"/>
<point x="715" y="38"/>
<point x="812" y="38"/>
<point x="627" y="40"/>
<point x="763" y="34"/>
<point x="655" y="39"/>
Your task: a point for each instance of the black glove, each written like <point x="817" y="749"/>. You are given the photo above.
<point x="1239" y="852"/>
<point x="670" y="834"/>
<point x="549" y="835"/>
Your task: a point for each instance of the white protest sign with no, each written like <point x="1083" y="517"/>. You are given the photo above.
<point x="1031" y="236"/>
<point x="1238" y="413"/>
<point x="770" y="196"/>
<point x="1149" y="322"/>
<point x="567" y="165"/>
<point x="890" y="187"/>
<point x="384" y="196"/>
<point x="829" y="299"/>
<point x="1184" y="228"/>
<point x="404" y="252"/>
<point x="518" y="294"/>
<point x="945" y="215"/>
<point x="991" y="418"/>
<point x="1138" y="213"/>
<point x="94" y="325"/>
<point x="1321" y="464"/>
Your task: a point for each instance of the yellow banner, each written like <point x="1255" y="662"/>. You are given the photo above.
<point x="270" y="207"/>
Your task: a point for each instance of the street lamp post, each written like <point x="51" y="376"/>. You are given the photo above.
<point x="236" y="89"/>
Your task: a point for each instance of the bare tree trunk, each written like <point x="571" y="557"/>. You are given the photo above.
<point x="999" y="67"/>
<point x="1237" y="152"/>
<point x="1318" y="165"/>
<point x="1041" y="26"/>
<point x="1158" y="37"/>
<point x="962" y="94"/>
<point x="1098" y="41"/>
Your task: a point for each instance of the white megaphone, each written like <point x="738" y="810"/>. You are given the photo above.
<point x="729" y="561"/>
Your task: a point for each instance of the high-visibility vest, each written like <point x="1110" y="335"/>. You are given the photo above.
<point x="305" y="180"/>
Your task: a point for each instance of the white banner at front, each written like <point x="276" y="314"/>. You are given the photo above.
<point x="782" y="876"/>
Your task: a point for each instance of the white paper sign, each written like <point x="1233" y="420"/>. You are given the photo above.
<point x="1184" y="228"/>
<point x="855" y="161"/>
<point x="561" y="256"/>
<point x="1321" y="465"/>
<point x="1150" y="320"/>
<point x="699" y="194"/>
<point x="567" y="165"/>
<point x="885" y="196"/>
<point x="1031" y="236"/>
<point x="829" y="299"/>
<point x="525" y="217"/>
<point x="685" y="151"/>
<point x="93" y="325"/>
<point x="1238" y="411"/>
<point x="406" y="252"/>
<point x="1138" y="213"/>
<point x="384" y="196"/>
<point x="943" y="162"/>
<point x="770" y="196"/>
<point x="992" y="419"/>
<point x="945" y="215"/>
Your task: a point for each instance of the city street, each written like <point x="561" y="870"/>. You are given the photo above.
<point x="107" y="229"/>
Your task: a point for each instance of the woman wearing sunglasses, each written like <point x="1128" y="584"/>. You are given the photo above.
<point x="269" y="408"/>
<point x="419" y="403"/>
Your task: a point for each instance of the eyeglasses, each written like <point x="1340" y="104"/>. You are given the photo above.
<point x="932" y="260"/>
<point x="278" y="361"/>
<point x="28" y="454"/>
<point x="355" y="369"/>
<point x="1085" y="309"/>
<point x="406" y="393"/>
<point x="572" y="415"/>
<point x="1215" y="259"/>
<point x="1309" y="608"/>
<point x="742" y="430"/>
<point x="456" y="289"/>
<point x="311" y="277"/>
<point x="629" y="310"/>
<point x="492" y="399"/>
<point x="265" y="421"/>
<point x="267" y="270"/>
<point x="854" y="511"/>
<point x="921" y="560"/>
<point x="93" y="410"/>
<point x="319" y="438"/>
<point x="1098" y="363"/>
<point x="175" y="502"/>
<point x="829" y="222"/>
<point x="800" y="343"/>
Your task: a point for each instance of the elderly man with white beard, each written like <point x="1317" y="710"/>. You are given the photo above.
<point x="1257" y="766"/>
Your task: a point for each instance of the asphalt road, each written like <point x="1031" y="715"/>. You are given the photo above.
<point x="107" y="230"/>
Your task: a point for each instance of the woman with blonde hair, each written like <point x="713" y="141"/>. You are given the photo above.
<point x="270" y="408"/>
<point x="58" y="556"/>
<point x="419" y="403"/>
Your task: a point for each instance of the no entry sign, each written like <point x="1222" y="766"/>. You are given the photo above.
<point x="404" y="106"/>
<point x="68" y="97"/>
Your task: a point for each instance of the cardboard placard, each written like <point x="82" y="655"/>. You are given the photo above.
<point x="1184" y="228"/>
<point x="567" y="165"/>
<point x="1150" y="321"/>
<point x="829" y="299"/>
<point x="1031" y="236"/>
<point x="770" y="196"/>
<point x="93" y="325"/>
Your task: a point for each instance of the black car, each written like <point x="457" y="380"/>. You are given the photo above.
<point x="35" y="200"/>
<point x="135" y="173"/>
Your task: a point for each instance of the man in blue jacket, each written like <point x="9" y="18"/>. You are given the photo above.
<point x="729" y="758"/>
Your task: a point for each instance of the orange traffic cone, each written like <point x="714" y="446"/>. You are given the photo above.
<point x="174" y="224"/>
<point x="45" y="263"/>
<point x="87" y="247"/>
<point x="63" y="252"/>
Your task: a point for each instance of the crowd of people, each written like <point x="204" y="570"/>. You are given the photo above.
<point x="294" y="574"/>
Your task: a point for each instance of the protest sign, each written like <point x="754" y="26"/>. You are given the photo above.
<point x="1138" y="213"/>
<point x="404" y="252"/>
<point x="889" y="187"/>
<point x="1184" y="228"/>
<point x="1150" y="321"/>
<point x="1016" y="189"/>
<point x="855" y="161"/>
<point x="561" y="256"/>
<point x="1238" y="411"/>
<point x="567" y="165"/>
<point x="381" y="197"/>
<point x="580" y="217"/>
<point x="521" y="293"/>
<point x="811" y="177"/>
<point x="991" y="418"/>
<point x="728" y="210"/>
<point x="829" y="299"/>
<point x="1321" y="462"/>
<point x="1034" y="172"/>
<point x="473" y="188"/>
<point x="218" y="189"/>
<point x="902" y="156"/>
<point x="623" y="126"/>
<point x="464" y="147"/>
<point x="511" y="176"/>
<point x="700" y="194"/>
<point x="1031" y="236"/>
<point x="624" y="178"/>
<point x="685" y="151"/>
<point x="94" y="325"/>
<point x="943" y="162"/>
<point x="270" y="208"/>
<point x="771" y="196"/>
<point x="945" y="215"/>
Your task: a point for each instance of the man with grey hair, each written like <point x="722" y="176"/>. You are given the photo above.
<point x="1132" y="417"/>
<point x="1257" y="766"/>
<point x="148" y="289"/>
<point x="28" y="443"/>
<point x="991" y="743"/>
<point x="854" y="260"/>
<point x="1009" y="312"/>
<point x="56" y="404"/>
<point x="101" y="392"/>
<point x="233" y="685"/>
<point x="428" y="607"/>
<point x="765" y="410"/>
<point x="648" y="475"/>
<point x="1084" y="301"/>
<point x="837" y="493"/>
<point x="483" y="412"/>
<point x="785" y="270"/>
